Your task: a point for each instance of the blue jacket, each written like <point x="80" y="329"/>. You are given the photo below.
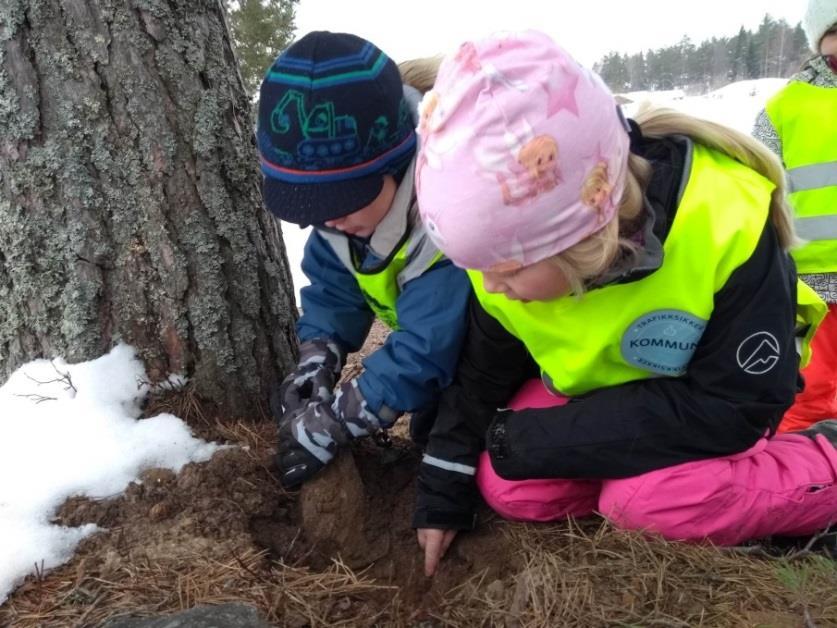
<point x="418" y="360"/>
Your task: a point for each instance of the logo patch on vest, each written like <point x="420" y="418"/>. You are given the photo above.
<point x="758" y="353"/>
<point x="662" y="341"/>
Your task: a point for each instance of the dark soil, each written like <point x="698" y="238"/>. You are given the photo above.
<point x="358" y="511"/>
<point x="342" y="553"/>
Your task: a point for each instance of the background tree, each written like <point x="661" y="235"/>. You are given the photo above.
<point x="636" y="72"/>
<point x="129" y="196"/>
<point x="614" y="71"/>
<point x="261" y="30"/>
<point x="738" y="47"/>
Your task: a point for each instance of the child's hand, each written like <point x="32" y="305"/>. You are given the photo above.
<point x="308" y="440"/>
<point x="434" y="543"/>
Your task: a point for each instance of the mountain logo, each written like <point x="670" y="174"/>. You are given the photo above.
<point x="758" y="353"/>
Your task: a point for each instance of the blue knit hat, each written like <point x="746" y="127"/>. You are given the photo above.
<point x="332" y="122"/>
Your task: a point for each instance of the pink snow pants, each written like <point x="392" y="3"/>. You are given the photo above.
<point x="784" y="485"/>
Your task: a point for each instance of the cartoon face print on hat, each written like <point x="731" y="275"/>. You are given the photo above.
<point x="540" y="158"/>
<point x="596" y="189"/>
<point x="535" y="171"/>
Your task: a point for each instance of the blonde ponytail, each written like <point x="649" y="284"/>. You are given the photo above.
<point x="659" y="122"/>
<point x="594" y="255"/>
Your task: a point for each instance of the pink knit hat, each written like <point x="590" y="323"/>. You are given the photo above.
<point x="523" y="153"/>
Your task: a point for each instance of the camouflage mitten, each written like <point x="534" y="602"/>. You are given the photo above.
<point x="351" y="409"/>
<point x="310" y="437"/>
<point x="313" y="380"/>
<point x="308" y="440"/>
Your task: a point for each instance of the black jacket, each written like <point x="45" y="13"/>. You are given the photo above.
<point x="715" y="409"/>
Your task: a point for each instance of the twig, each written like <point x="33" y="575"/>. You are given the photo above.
<point x="246" y="567"/>
<point x="811" y="542"/>
<point x="39" y="571"/>
<point x="37" y="398"/>
<point x="62" y="377"/>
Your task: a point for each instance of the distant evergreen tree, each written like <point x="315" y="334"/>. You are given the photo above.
<point x="636" y="72"/>
<point x="686" y="50"/>
<point x="699" y="66"/>
<point x="261" y="30"/>
<point x="799" y="50"/>
<point x="737" y="50"/>
<point x="721" y="65"/>
<point x="613" y="69"/>
<point x="751" y="61"/>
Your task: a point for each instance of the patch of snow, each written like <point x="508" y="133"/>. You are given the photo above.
<point x="72" y="429"/>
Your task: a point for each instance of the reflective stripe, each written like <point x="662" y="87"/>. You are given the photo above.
<point x="812" y="177"/>
<point x="449" y="466"/>
<point x="816" y="228"/>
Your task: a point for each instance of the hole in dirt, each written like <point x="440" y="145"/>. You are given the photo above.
<point x="360" y="510"/>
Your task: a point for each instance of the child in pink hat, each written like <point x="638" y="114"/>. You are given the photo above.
<point x="632" y="342"/>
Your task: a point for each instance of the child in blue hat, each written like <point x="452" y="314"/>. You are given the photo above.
<point x="337" y="146"/>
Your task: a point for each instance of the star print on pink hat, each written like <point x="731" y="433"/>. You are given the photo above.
<point x="523" y="153"/>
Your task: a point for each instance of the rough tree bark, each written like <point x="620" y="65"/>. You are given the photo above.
<point x="129" y="200"/>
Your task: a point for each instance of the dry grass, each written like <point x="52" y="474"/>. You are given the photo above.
<point x="285" y="595"/>
<point x="575" y="575"/>
<point x="591" y="575"/>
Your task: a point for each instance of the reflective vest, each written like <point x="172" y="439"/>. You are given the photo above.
<point x="805" y="118"/>
<point x="651" y="327"/>
<point x="382" y="285"/>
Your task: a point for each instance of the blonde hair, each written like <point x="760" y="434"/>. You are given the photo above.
<point x="420" y="73"/>
<point x="595" y="254"/>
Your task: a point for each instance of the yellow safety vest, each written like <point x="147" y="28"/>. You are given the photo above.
<point x="382" y="288"/>
<point x="805" y="118"/>
<point x="651" y="327"/>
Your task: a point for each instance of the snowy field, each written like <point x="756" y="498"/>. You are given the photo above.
<point x="72" y="429"/>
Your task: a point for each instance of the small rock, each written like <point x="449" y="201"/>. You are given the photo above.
<point x="496" y="590"/>
<point x="222" y="616"/>
<point x="160" y="511"/>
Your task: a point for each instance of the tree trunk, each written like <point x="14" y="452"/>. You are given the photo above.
<point x="129" y="196"/>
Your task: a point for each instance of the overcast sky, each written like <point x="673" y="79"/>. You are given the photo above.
<point x="587" y="29"/>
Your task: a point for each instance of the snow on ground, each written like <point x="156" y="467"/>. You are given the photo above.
<point x="75" y="435"/>
<point x="295" y="238"/>
<point x="735" y="105"/>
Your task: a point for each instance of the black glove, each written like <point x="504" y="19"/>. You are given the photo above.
<point x="313" y="380"/>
